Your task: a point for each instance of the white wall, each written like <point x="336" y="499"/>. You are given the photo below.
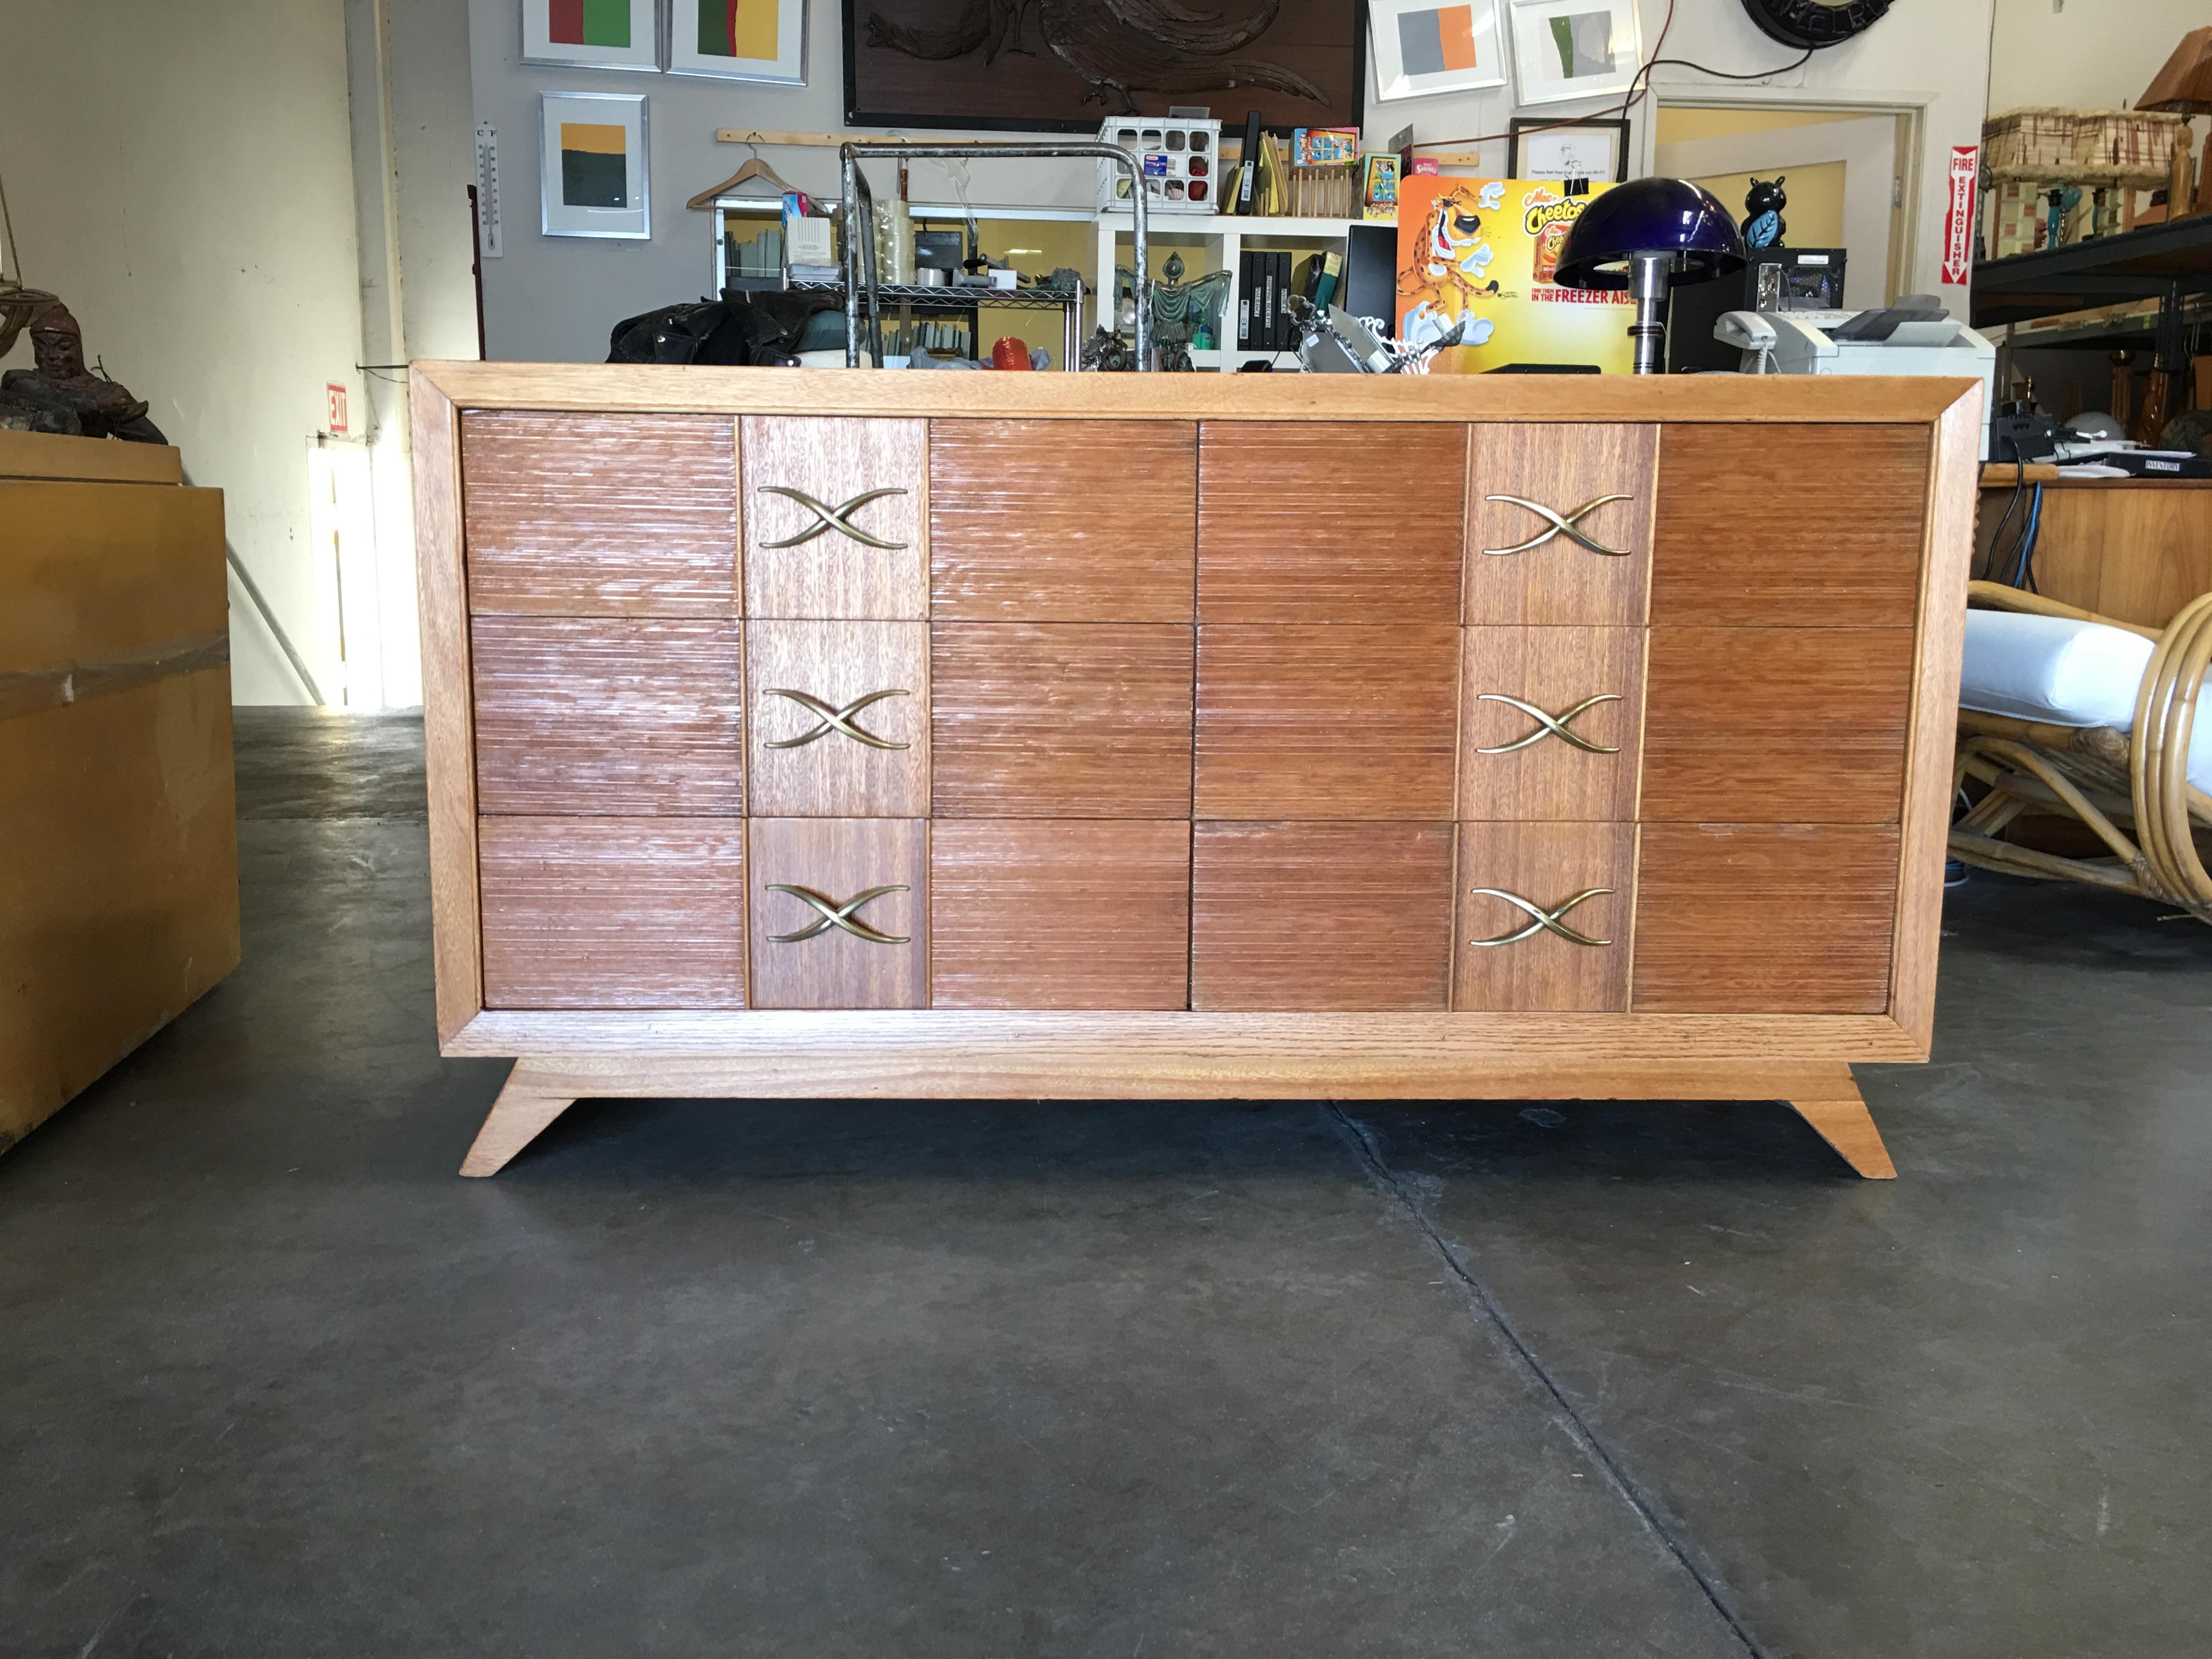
<point x="554" y="298"/>
<point x="181" y="175"/>
<point x="2084" y="54"/>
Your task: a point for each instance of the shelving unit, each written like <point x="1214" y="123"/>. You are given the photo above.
<point x="913" y="300"/>
<point x="1216" y="240"/>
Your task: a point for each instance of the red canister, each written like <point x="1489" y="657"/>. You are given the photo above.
<point x="1010" y="353"/>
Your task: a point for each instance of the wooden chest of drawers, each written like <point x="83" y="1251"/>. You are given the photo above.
<point x="839" y="734"/>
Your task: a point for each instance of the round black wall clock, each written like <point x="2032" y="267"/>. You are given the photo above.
<point x="1805" y="23"/>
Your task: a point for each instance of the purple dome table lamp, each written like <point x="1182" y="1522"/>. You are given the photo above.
<point x="1649" y="236"/>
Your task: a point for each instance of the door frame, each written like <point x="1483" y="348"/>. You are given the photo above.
<point x="1911" y="107"/>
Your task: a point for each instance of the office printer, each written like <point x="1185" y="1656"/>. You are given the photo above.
<point x="1913" y="336"/>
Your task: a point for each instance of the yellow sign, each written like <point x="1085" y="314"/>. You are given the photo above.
<point x="1485" y="250"/>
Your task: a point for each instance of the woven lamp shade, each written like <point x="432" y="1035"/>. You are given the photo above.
<point x="2184" y="87"/>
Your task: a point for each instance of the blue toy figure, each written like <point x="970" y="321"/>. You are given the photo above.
<point x="1763" y="223"/>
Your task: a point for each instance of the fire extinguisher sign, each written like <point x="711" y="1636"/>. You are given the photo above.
<point x="1958" y="213"/>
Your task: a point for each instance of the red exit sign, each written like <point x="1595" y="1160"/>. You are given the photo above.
<point x="335" y="396"/>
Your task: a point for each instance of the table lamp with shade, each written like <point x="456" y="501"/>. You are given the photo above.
<point x="1649" y="237"/>
<point x="2183" y="87"/>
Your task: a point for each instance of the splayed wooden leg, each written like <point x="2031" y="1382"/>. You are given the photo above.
<point x="1840" y="1114"/>
<point x="523" y="1110"/>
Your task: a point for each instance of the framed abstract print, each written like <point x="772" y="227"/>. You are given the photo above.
<point x="1423" y="47"/>
<point x="1564" y="49"/>
<point x="591" y="169"/>
<point x="611" y="34"/>
<point x="739" y="40"/>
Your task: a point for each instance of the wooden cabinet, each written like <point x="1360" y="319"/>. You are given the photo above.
<point x="1124" y="734"/>
<point x="119" y="835"/>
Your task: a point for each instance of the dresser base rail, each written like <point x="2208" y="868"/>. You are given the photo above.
<point x="540" y="1088"/>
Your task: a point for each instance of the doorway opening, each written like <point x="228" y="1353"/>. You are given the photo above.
<point x="1849" y="170"/>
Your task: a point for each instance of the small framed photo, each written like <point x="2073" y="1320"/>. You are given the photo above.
<point x="739" y="40"/>
<point x="611" y="34"/>
<point x="592" y="165"/>
<point x="1564" y="49"/>
<point x="1594" y="151"/>
<point x="1422" y="47"/>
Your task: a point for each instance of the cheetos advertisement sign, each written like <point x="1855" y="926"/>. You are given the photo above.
<point x="1480" y="254"/>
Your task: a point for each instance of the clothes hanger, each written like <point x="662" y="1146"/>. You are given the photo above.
<point x="754" y="169"/>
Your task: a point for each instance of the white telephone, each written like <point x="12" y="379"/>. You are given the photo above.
<point x="1748" y="331"/>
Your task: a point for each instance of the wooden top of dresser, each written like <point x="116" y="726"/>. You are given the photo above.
<point x="1732" y="398"/>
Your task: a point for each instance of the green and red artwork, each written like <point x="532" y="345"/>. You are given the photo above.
<point x="739" y="39"/>
<point x="588" y="22"/>
<point x="738" y="28"/>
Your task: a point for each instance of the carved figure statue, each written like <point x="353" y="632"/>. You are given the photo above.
<point x="62" y="384"/>
<point x="1179" y="308"/>
<point x="1763" y="223"/>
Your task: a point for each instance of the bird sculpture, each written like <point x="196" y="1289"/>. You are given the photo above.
<point x="1117" y="48"/>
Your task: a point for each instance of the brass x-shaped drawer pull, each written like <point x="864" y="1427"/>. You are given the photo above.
<point x="833" y="914"/>
<point x="829" y="518"/>
<point x="829" y="719"/>
<point x="1559" y="526"/>
<point x="1543" y="920"/>
<point x="1552" y="725"/>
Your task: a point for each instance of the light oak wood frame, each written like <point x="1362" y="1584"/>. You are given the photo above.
<point x="843" y="1054"/>
<point x="2131" y="789"/>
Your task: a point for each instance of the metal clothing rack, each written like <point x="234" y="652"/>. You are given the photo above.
<point x="860" y="239"/>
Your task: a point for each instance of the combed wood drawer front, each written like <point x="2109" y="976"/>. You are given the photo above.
<point x="619" y="716"/>
<point x="1544" y="913"/>
<point x="1318" y="916"/>
<point x="1327" y="722"/>
<point x="1798" y="526"/>
<point x="1749" y="724"/>
<point x="600" y="515"/>
<point x="1559" y="521"/>
<point x="1321" y="522"/>
<point x="1080" y="912"/>
<point x="840" y="718"/>
<point x="839" y="912"/>
<point x="1551" y="723"/>
<point x="1789" y="918"/>
<point x="1061" y="719"/>
<point x="613" y="913"/>
<point x="1063" y="520"/>
<point x="834" y="520"/>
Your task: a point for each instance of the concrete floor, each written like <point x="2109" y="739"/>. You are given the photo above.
<point x="1116" y="1381"/>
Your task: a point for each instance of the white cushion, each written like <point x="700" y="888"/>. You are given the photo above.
<point x="2064" y="673"/>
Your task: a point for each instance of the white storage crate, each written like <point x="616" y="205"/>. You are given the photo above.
<point x="1181" y="162"/>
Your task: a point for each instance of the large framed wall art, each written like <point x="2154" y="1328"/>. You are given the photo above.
<point x="1058" y="65"/>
